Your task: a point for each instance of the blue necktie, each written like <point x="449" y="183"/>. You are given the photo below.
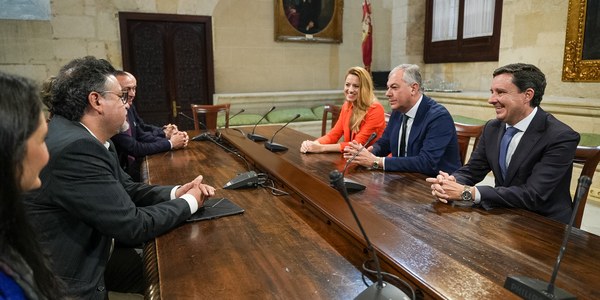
<point x="506" y="138"/>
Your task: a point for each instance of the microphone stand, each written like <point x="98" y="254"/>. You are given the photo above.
<point x="531" y="288"/>
<point x="275" y="147"/>
<point x="380" y="289"/>
<point x="258" y="137"/>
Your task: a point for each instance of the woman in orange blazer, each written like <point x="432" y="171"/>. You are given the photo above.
<point x="361" y="115"/>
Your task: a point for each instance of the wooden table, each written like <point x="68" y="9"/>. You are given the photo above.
<point x="445" y="252"/>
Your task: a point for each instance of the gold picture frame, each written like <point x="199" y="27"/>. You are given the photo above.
<point x="577" y="67"/>
<point x="329" y="31"/>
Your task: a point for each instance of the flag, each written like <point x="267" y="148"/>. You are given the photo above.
<point x="367" y="36"/>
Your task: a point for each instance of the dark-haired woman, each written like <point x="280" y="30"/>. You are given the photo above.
<point x="24" y="272"/>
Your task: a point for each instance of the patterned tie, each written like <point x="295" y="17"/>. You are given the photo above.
<point x="506" y="138"/>
<point x="403" y="136"/>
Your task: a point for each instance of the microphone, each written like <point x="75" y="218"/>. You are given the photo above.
<point x="237" y="113"/>
<point x="381" y="289"/>
<point x="205" y="136"/>
<point x="274" y="147"/>
<point x="531" y="288"/>
<point x="256" y="137"/>
<point x="351" y="185"/>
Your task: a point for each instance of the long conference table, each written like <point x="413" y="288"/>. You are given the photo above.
<point x="306" y="245"/>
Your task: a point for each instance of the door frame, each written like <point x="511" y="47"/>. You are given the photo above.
<point x="206" y="21"/>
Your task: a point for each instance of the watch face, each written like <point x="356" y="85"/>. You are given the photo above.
<point x="466" y="196"/>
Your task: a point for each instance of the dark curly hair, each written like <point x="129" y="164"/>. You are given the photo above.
<point x="526" y="76"/>
<point x="20" y="109"/>
<point x="74" y="82"/>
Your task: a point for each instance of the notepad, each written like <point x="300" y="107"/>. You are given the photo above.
<point x="214" y="208"/>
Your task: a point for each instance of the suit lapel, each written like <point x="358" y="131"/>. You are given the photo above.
<point x="529" y="139"/>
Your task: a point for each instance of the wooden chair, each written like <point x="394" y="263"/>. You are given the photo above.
<point x="334" y="110"/>
<point x="210" y="113"/>
<point x="589" y="157"/>
<point x="465" y="132"/>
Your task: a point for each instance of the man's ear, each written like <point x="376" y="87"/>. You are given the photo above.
<point x="94" y="102"/>
<point x="529" y="93"/>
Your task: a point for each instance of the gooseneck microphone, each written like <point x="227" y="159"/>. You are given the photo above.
<point x="380" y="289"/>
<point x="257" y="137"/>
<point x="531" y="288"/>
<point x="351" y="185"/>
<point x="204" y="136"/>
<point x="237" y="113"/>
<point x="274" y="147"/>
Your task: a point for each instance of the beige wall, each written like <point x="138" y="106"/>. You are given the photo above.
<point x="533" y="31"/>
<point x="246" y="56"/>
<point x="247" y="59"/>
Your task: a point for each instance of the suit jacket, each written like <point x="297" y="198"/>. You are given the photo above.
<point x="139" y="144"/>
<point x="374" y="121"/>
<point x="432" y="143"/>
<point x="539" y="174"/>
<point x="148" y="128"/>
<point x="86" y="200"/>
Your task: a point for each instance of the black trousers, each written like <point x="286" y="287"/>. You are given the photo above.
<point x="124" y="272"/>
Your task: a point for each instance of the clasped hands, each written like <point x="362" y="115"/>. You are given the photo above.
<point x="178" y="139"/>
<point x="310" y="146"/>
<point x="444" y="187"/>
<point x="197" y="189"/>
<point x="364" y="158"/>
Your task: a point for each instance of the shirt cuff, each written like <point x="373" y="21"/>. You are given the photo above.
<point x="383" y="163"/>
<point x="190" y="199"/>
<point x="170" y="143"/>
<point x="477" y="199"/>
<point x="173" y="191"/>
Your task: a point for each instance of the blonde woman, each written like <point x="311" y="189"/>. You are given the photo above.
<point x="360" y="116"/>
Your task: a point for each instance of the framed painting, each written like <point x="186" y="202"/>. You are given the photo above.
<point x="582" y="43"/>
<point x="313" y="21"/>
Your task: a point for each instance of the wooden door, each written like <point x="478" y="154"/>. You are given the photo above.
<point x="171" y="58"/>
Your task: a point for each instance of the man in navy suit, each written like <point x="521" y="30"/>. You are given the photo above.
<point x="142" y="139"/>
<point x="428" y="131"/>
<point x="532" y="169"/>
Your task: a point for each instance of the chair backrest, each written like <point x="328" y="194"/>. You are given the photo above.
<point x="334" y="110"/>
<point x="464" y="133"/>
<point x="589" y="157"/>
<point x="210" y="113"/>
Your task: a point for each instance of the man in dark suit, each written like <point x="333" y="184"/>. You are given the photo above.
<point x="420" y="135"/>
<point x="142" y="139"/>
<point x="532" y="169"/>
<point x="86" y="200"/>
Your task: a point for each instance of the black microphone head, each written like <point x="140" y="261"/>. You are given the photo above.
<point x="585" y="181"/>
<point x="334" y="176"/>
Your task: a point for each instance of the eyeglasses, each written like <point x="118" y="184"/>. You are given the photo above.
<point x="123" y="96"/>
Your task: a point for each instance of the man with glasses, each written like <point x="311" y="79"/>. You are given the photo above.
<point x="87" y="204"/>
<point x="142" y="139"/>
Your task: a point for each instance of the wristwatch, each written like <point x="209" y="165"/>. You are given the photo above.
<point x="375" y="163"/>
<point x="466" y="194"/>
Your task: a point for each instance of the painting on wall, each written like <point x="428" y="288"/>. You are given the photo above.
<point x="582" y="43"/>
<point x="316" y="21"/>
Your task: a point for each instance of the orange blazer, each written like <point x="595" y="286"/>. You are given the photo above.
<point x="374" y="121"/>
